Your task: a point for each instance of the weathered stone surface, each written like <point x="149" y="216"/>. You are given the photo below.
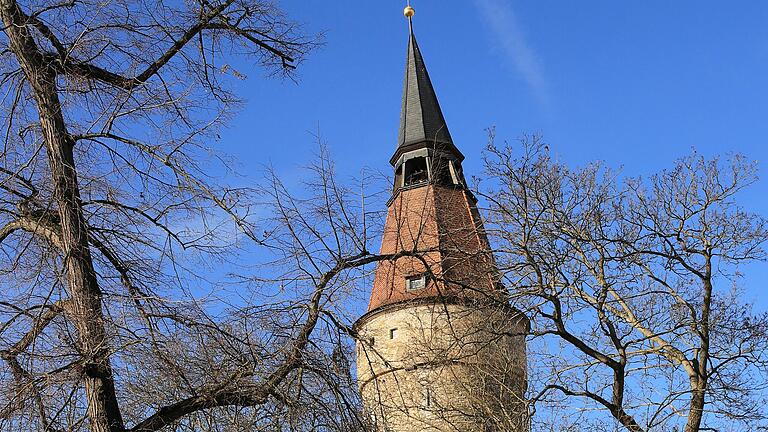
<point x="447" y="367"/>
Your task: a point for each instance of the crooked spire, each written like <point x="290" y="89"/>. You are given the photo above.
<point x="421" y="120"/>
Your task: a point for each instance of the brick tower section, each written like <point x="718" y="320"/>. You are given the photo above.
<point x="440" y="348"/>
<point x="441" y="227"/>
<point x="449" y="356"/>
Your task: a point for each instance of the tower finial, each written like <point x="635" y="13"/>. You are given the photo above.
<point x="421" y="121"/>
<point x="409" y="11"/>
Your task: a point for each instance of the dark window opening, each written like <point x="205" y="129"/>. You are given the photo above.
<point x="392" y="333"/>
<point x="398" y="177"/>
<point x="441" y="172"/>
<point x="416" y="171"/>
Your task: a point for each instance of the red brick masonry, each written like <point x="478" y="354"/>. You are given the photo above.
<point x="442" y="226"/>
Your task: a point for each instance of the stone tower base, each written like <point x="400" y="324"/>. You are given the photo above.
<point x="443" y="366"/>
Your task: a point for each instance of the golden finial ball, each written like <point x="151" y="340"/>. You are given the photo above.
<point x="409" y="11"/>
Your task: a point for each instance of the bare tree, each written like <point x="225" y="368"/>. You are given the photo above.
<point x="115" y="225"/>
<point x="117" y="218"/>
<point x="112" y="218"/>
<point x="634" y="286"/>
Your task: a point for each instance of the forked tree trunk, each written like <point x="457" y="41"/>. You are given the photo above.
<point x="85" y="310"/>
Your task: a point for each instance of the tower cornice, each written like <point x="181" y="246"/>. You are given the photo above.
<point x="442" y="300"/>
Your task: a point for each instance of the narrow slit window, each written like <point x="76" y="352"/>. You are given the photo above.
<point x="415" y="283"/>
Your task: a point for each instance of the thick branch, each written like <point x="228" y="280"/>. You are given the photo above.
<point x="40" y="227"/>
<point x="259" y="395"/>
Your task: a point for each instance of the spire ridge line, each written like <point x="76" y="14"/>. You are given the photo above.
<point x="422" y="123"/>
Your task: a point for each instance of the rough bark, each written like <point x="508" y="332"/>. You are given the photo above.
<point x="86" y="309"/>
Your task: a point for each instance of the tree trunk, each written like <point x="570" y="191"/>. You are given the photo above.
<point x="696" y="412"/>
<point x="700" y="381"/>
<point x="85" y="310"/>
<point x="618" y="411"/>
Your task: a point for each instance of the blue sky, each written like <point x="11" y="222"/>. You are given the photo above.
<point x="636" y="84"/>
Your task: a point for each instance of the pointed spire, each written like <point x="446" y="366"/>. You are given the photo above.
<point x="421" y="121"/>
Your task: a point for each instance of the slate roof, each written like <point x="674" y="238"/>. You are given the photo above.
<point x="421" y="120"/>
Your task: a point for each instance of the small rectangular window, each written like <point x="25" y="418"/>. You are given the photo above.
<point x="392" y="333"/>
<point x="415" y="283"/>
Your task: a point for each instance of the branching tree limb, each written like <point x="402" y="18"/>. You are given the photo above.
<point x="635" y="277"/>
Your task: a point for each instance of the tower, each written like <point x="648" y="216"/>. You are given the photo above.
<point x="440" y="348"/>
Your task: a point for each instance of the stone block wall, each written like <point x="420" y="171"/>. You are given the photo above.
<point x="436" y="366"/>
